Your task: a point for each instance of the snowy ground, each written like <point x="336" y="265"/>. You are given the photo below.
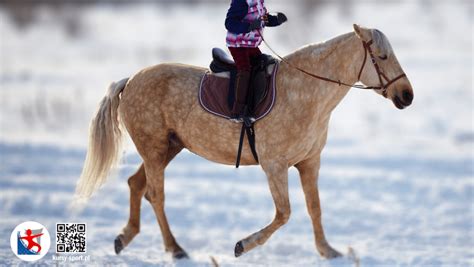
<point x="396" y="186"/>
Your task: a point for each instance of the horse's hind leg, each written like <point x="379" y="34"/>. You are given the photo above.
<point x="155" y="156"/>
<point x="277" y="174"/>
<point x="137" y="184"/>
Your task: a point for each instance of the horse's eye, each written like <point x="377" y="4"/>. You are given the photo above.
<point x="384" y="57"/>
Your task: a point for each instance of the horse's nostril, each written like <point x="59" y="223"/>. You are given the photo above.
<point x="407" y="97"/>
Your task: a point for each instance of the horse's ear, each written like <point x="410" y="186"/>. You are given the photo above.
<point x="358" y="30"/>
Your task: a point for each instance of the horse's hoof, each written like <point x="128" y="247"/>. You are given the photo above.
<point x="180" y="254"/>
<point x="118" y="245"/>
<point x="331" y="253"/>
<point x="239" y="249"/>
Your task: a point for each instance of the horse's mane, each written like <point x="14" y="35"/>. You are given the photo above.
<point x="320" y="50"/>
<point x="324" y="49"/>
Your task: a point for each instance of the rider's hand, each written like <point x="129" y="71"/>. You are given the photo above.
<point x="281" y="18"/>
<point x="273" y="20"/>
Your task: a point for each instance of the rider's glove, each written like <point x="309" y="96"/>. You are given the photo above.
<point x="275" y="20"/>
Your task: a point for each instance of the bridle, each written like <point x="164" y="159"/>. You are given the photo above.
<point x="368" y="49"/>
<point x="380" y="74"/>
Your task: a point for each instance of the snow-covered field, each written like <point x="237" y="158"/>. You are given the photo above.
<point x="396" y="186"/>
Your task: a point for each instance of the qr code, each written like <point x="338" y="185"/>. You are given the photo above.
<point x="70" y="238"/>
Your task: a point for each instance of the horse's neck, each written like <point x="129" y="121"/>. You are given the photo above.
<point x="339" y="59"/>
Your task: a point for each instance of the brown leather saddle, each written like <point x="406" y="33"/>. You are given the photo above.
<point x="216" y="92"/>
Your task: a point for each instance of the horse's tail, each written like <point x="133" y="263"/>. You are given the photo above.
<point x="104" y="143"/>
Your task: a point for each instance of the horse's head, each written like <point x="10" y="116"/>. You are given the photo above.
<point x="382" y="68"/>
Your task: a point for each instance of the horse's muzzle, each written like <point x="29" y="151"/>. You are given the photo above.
<point x="407" y="97"/>
<point x="404" y="101"/>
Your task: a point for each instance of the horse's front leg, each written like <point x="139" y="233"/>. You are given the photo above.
<point x="277" y="174"/>
<point x="309" y="171"/>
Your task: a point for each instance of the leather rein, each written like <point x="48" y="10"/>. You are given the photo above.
<point x="368" y="49"/>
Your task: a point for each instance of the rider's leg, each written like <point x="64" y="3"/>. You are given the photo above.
<point x="241" y="57"/>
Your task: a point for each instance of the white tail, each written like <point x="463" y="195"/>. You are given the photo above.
<point x="104" y="143"/>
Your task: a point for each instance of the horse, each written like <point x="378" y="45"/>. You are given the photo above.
<point x="159" y="108"/>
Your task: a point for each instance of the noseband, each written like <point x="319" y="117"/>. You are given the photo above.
<point x="380" y="74"/>
<point x="367" y="48"/>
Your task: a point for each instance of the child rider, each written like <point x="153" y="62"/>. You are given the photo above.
<point x="244" y="22"/>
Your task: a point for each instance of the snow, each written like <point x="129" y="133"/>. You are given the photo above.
<point x="396" y="186"/>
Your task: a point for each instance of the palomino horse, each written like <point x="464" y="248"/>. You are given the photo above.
<point x="160" y="110"/>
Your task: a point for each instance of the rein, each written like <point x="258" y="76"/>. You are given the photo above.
<point x="367" y="48"/>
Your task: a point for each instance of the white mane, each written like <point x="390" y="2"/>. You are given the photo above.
<point x="322" y="49"/>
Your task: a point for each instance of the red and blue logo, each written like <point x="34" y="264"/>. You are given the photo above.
<point x="30" y="241"/>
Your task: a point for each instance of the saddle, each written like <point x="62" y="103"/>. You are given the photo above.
<point x="216" y="92"/>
